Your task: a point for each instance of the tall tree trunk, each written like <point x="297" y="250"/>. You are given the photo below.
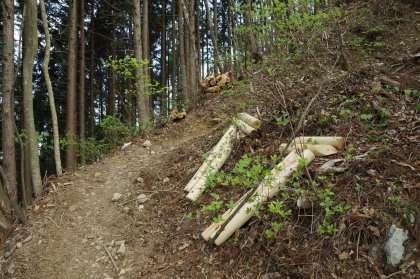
<point x="8" y="138"/>
<point x="191" y="49"/>
<point x="56" y="135"/>
<point x="130" y="99"/>
<point x="163" y="75"/>
<point x="82" y="126"/>
<point x="174" y="56"/>
<point x="92" y="72"/>
<point x="252" y="45"/>
<point x="111" y="71"/>
<point x="31" y="43"/>
<point x="142" y="98"/>
<point x="218" y="66"/>
<point x="198" y="36"/>
<point x="146" y="57"/>
<point x="182" y="58"/>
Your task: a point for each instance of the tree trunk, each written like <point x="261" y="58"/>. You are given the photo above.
<point x="31" y="43"/>
<point x="71" y="88"/>
<point x="111" y="72"/>
<point x="174" y="56"/>
<point x="130" y="100"/>
<point x="214" y="40"/>
<point x="163" y="74"/>
<point x="142" y="100"/>
<point x="252" y="45"/>
<point x="92" y="72"/>
<point x="56" y="135"/>
<point x="146" y="122"/>
<point x="82" y="127"/>
<point x="182" y="58"/>
<point x="8" y="139"/>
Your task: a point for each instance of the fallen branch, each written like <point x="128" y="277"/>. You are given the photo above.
<point x="111" y="258"/>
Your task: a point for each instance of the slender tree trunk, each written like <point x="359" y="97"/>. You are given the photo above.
<point x="71" y="87"/>
<point x="31" y="43"/>
<point x="82" y="117"/>
<point x="174" y="56"/>
<point x="146" y="57"/>
<point x="164" y="112"/>
<point x="130" y="99"/>
<point x="213" y="34"/>
<point x="142" y="100"/>
<point x="111" y="72"/>
<point x="56" y="135"/>
<point x="92" y="72"/>
<point x="8" y="138"/>
<point x="182" y="58"/>
<point x="252" y="45"/>
<point x="198" y="46"/>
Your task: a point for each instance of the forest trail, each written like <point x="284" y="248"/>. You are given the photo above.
<point x="70" y="229"/>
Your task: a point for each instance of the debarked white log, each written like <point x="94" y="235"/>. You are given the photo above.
<point x="270" y="186"/>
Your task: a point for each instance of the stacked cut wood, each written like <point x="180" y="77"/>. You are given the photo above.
<point x="248" y="204"/>
<point x="175" y="114"/>
<point x="212" y="84"/>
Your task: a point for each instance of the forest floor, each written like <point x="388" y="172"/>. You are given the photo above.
<point x="76" y="228"/>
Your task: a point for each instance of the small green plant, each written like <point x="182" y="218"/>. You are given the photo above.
<point x="365" y="116"/>
<point x="345" y="112"/>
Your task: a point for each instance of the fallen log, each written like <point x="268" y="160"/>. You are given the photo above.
<point x="244" y="127"/>
<point x="212" y="89"/>
<point x="205" y="84"/>
<point x="227" y="137"/>
<point x="175" y="114"/>
<point x="317" y="149"/>
<point x="390" y="82"/>
<point x="337" y="142"/>
<point x="267" y="189"/>
<point x="250" y="120"/>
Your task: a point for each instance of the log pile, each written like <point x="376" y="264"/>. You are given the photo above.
<point x="212" y="84"/>
<point x="245" y="207"/>
<point x="176" y="115"/>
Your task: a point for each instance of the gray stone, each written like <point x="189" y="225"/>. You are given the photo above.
<point x="394" y="248"/>
<point x="147" y="143"/>
<point x="116" y="197"/>
<point x="19" y="245"/>
<point x="72" y="208"/>
<point x="11" y="270"/>
<point x="142" y="198"/>
<point x="166" y="179"/>
<point x="121" y="250"/>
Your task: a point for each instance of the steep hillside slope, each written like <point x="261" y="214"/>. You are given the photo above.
<point x="351" y="74"/>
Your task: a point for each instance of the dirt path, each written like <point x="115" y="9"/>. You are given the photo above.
<point x="68" y="231"/>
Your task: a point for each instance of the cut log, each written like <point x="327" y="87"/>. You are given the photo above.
<point x="205" y="84"/>
<point x="390" y="82"/>
<point x="213" y="82"/>
<point x="174" y="114"/>
<point x="227" y="137"/>
<point x="213" y="168"/>
<point x="223" y="80"/>
<point x="267" y="188"/>
<point x="244" y="127"/>
<point x="337" y="142"/>
<point x="250" y="120"/>
<point x="207" y="79"/>
<point x="317" y="149"/>
<point x="212" y="89"/>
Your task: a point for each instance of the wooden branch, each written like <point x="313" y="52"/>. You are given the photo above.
<point x="228" y="136"/>
<point x="111" y="258"/>
<point x="337" y="142"/>
<point x="250" y="120"/>
<point x="317" y="149"/>
<point x="212" y="89"/>
<point x="270" y="186"/>
<point x="387" y="81"/>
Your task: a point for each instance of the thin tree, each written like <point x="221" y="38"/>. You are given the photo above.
<point x="56" y="135"/>
<point x="213" y="38"/>
<point x="8" y="139"/>
<point x="111" y="71"/>
<point x="142" y="100"/>
<point x="146" y="55"/>
<point x="71" y="87"/>
<point x="82" y="116"/>
<point x="92" y="72"/>
<point x="182" y="58"/>
<point x="30" y="37"/>
<point x="163" y="75"/>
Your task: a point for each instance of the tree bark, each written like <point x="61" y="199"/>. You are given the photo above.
<point x="111" y="71"/>
<point x="174" y="55"/>
<point x="8" y="138"/>
<point x="82" y="116"/>
<point x="56" y="135"/>
<point x="146" y="56"/>
<point x="142" y="100"/>
<point x="71" y="87"/>
<point x="213" y="35"/>
<point x="182" y="58"/>
<point x="92" y="72"/>
<point x="164" y="111"/>
<point x="31" y="43"/>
